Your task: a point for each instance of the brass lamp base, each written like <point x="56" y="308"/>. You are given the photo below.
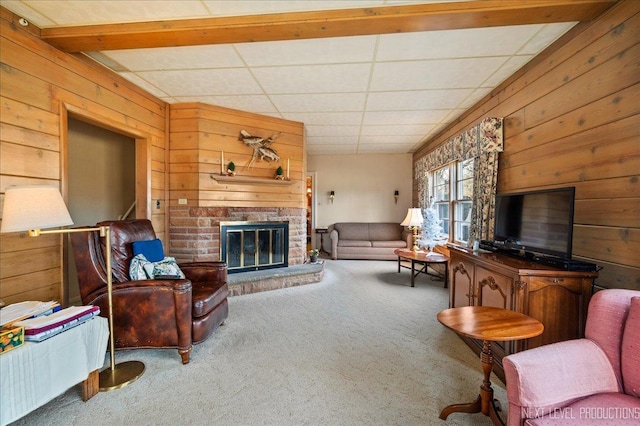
<point x="415" y="238"/>
<point x="122" y="375"/>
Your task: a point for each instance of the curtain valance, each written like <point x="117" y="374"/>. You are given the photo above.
<point x="486" y="136"/>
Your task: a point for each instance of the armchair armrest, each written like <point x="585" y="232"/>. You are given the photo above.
<point x="550" y="377"/>
<point x="198" y="272"/>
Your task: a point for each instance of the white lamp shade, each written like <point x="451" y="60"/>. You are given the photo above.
<point x="33" y="207"/>
<point x="413" y="218"/>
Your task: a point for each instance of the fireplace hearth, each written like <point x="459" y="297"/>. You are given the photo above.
<point x="252" y="246"/>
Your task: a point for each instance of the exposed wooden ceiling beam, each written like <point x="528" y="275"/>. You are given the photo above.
<point x="321" y="24"/>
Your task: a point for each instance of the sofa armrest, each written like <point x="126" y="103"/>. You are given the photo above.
<point x="407" y="236"/>
<point x="550" y="377"/>
<point x="333" y="236"/>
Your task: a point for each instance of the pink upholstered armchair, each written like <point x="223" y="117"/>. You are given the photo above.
<point x="595" y="380"/>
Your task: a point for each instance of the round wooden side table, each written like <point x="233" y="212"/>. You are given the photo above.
<point x="488" y="324"/>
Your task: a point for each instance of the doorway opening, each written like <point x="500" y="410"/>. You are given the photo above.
<point x="311" y="211"/>
<point x="101" y="183"/>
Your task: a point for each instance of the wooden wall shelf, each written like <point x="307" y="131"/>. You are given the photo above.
<point x="249" y="179"/>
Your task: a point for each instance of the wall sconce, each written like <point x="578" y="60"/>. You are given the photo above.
<point x="332" y="195"/>
<point x="396" y="195"/>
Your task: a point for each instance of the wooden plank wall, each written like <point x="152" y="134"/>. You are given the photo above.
<point x="572" y="119"/>
<point x="198" y="135"/>
<point x="40" y="85"/>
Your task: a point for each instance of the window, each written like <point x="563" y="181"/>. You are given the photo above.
<point x="452" y="189"/>
<point x="463" y="201"/>
<point x="441" y="196"/>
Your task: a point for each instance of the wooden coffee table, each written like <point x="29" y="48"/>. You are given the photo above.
<point x="423" y="259"/>
<point x="487" y="324"/>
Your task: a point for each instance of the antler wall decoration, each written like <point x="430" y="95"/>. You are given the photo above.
<point x="261" y="147"/>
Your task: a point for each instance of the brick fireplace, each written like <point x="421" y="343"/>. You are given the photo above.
<point x="195" y="231"/>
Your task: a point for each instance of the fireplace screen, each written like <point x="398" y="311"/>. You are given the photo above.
<point x="249" y="246"/>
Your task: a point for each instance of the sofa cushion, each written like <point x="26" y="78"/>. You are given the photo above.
<point x="390" y="244"/>
<point x="206" y="296"/>
<point x="630" y="352"/>
<point x="385" y="231"/>
<point x="352" y="231"/>
<point x="353" y="243"/>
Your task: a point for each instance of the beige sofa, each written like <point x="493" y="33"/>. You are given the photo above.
<point x="375" y="241"/>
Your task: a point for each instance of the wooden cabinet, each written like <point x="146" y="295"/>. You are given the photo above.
<point x="557" y="298"/>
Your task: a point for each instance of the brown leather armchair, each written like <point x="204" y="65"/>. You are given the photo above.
<point x="150" y="313"/>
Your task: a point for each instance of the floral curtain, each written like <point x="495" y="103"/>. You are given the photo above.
<point x="482" y="142"/>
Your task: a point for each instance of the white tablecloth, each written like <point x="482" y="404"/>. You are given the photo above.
<point x="35" y="373"/>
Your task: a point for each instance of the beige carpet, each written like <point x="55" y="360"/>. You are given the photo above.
<point x="359" y="348"/>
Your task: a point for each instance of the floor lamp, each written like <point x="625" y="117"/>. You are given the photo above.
<point x="413" y="220"/>
<point x="31" y="208"/>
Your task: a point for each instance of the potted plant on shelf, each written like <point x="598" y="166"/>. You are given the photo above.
<point x="313" y="255"/>
<point x="231" y="169"/>
<point x="279" y="173"/>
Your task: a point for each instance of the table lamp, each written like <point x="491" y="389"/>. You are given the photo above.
<point x="32" y="208"/>
<point x="414" y="221"/>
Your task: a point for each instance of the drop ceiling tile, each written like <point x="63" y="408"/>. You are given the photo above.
<point x="389" y="139"/>
<point x="333" y="140"/>
<point x="319" y="102"/>
<point x="404" y="117"/>
<point x="507" y="69"/>
<point x="331" y="149"/>
<point x="409" y="129"/>
<point x="466" y="43"/>
<point x="443" y="74"/>
<point x="313" y="130"/>
<point x="77" y="12"/>
<point x="140" y="82"/>
<point x="474" y="97"/>
<point x="413" y="100"/>
<point x="546" y="36"/>
<point x="314" y="78"/>
<point x="383" y="148"/>
<point x="259" y="104"/>
<point x="174" y="58"/>
<point x="227" y="81"/>
<point x="326" y="118"/>
<point x="310" y="51"/>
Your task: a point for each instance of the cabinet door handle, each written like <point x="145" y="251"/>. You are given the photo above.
<point x="555" y="280"/>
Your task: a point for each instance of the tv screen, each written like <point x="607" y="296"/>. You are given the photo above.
<point x="536" y="221"/>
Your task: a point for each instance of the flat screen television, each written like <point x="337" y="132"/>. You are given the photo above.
<point x="536" y="221"/>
